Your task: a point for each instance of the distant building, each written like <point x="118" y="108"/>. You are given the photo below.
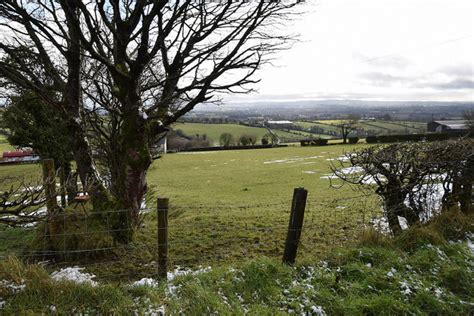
<point x="279" y="122"/>
<point x="447" y="126"/>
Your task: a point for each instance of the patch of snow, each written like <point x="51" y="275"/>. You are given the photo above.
<point x="197" y="153"/>
<point x="369" y="180"/>
<point x="182" y="272"/>
<point x="340" y="158"/>
<point x="74" y="274"/>
<point x="351" y="170"/>
<point x="434" y="197"/>
<point x="12" y="286"/>
<point x="470" y="245"/>
<point x="32" y="188"/>
<point x="146" y="282"/>
<point x="403" y="222"/>
<point x="329" y="177"/>
<point x="405" y="288"/>
<point x="290" y="160"/>
<point x="380" y="224"/>
<point x="317" y="310"/>
<point x="309" y="172"/>
<point x="391" y="273"/>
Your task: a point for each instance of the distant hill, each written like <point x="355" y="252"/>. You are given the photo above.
<point x="288" y="109"/>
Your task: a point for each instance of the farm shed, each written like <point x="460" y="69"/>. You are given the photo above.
<point x="447" y="126"/>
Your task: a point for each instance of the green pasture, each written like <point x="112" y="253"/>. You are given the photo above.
<point x="4" y="145"/>
<point x="376" y="127"/>
<point x="214" y="131"/>
<point x="229" y="210"/>
<point x="229" y="206"/>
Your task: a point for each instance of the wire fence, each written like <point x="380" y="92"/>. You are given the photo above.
<point x="110" y="246"/>
<point x="197" y="235"/>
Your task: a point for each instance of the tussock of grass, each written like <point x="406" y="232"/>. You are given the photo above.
<point x="412" y="239"/>
<point x="453" y="225"/>
<point x="372" y="238"/>
<point x="65" y="236"/>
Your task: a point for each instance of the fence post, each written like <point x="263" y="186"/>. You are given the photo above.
<point x="295" y="225"/>
<point x="49" y="184"/>
<point x="162" y="237"/>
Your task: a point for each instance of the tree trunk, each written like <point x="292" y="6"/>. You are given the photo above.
<point x="394" y="207"/>
<point x="391" y="211"/>
<point x="344" y="135"/>
<point x="73" y="106"/>
<point x="466" y="197"/>
<point x="131" y="160"/>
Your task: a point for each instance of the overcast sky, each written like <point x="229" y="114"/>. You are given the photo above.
<point x="377" y="50"/>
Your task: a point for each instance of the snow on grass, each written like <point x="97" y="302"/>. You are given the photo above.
<point x="146" y="282"/>
<point x="329" y="177"/>
<point x="171" y="290"/>
<point x="290" y="160"/>
<point x="12" y="286"/>
<point x="197" y="153"/>
<point x="470" y="244"/>
<point x="380" y="224"/>
<point x="74" y="274"/>
<point x="178" y="272"/>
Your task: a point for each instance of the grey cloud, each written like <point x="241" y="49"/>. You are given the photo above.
<point x="459" y="70"/>
<point x="456" y="84"/>
<point x="383" y="79"/>
<point x="387" y="61"/>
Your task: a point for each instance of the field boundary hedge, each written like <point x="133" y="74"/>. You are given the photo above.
<point x="239" y="147"/>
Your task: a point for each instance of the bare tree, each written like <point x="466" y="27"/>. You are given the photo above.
<point x="414" y="180"/>
<point x="347" y="127"/>
<point x="143" y="63"/>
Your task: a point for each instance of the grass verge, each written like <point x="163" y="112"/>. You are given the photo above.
<point x="374" y="275"/>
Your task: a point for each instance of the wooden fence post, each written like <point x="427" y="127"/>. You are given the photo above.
<point x="62" y="182"/>
<point x="295" y="225"/>
<point x="163" y="237"/>
<point x="49" y="184"/>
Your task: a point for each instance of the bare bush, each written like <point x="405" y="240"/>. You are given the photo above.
<point x="21" y="204"/>
<point x="414" y="180"/>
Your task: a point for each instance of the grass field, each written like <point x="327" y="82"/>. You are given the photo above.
<point x="247" y="194"/>
<point x="229" y="210"/>
<point x="4" y="145"/>
<point x="229" y="206"/>
<point x="377" y="127"/>
<point x="214" y="131"/>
